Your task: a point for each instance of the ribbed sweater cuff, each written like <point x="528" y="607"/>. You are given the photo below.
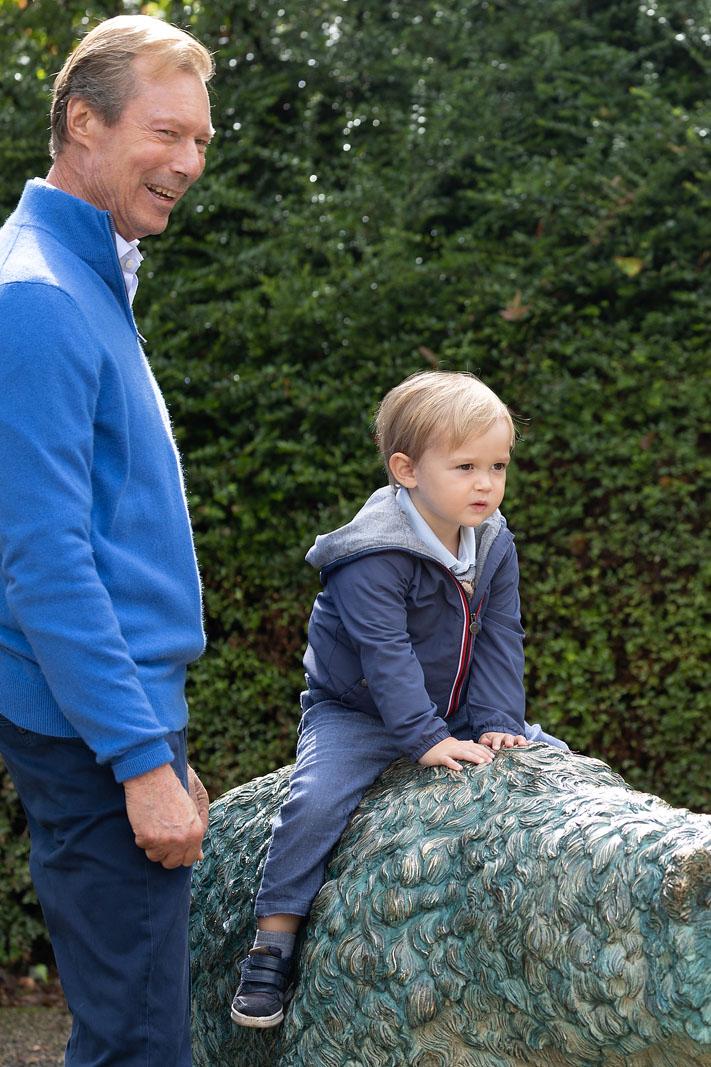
<point x="140" y="760"/>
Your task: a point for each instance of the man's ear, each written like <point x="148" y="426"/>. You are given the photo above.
<point x="81" y="120"/>
<point x="403" y="470"/>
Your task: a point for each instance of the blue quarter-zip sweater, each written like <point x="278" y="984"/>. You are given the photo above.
<point x="100" y="606"/>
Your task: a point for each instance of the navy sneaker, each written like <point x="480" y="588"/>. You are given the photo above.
<point x="264" y="990"/>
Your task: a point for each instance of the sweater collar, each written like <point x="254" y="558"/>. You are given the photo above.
<point x="84" y="229"/>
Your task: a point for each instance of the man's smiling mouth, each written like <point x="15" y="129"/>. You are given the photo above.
<point x="162" y="193"/>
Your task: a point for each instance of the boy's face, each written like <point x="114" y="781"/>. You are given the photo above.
<point x="453" y="487"/>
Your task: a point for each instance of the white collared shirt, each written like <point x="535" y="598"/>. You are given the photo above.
<point x="130" y="259"/>
<point x="467" y="543"/>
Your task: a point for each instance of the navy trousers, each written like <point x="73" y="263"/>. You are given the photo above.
<point x="118" y="922"/>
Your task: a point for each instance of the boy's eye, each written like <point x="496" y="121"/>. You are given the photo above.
<point x="466" y="466"/>
<point x="499" y="466"/>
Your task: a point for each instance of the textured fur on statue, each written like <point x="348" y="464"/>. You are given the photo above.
<point x="533" y="911"/>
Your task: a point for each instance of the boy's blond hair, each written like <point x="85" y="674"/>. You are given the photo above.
<point x="99" y="70"/>
<point x="432" y="408"/>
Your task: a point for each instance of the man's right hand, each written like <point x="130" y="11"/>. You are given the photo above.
<point x="446" y="754"/>
<point x="164" y="818"/>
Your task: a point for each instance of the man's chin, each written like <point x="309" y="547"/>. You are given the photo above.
<point x="151" y="228"/>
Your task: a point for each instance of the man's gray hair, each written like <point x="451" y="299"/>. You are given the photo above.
<point x="100" y="71"/>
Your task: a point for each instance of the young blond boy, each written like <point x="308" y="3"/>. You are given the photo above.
<point x="415" y="646"/>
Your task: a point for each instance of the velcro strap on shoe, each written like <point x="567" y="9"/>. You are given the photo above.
<point x="263" y="968"/>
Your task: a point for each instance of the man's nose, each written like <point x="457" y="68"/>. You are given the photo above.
<point x="188" y="160"/>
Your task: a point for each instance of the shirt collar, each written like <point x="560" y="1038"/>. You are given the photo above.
<point x="467" y="543"/>
<point x="130" y="259"/>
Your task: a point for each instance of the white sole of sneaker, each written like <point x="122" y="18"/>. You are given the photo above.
<point x="261" y="1022"/>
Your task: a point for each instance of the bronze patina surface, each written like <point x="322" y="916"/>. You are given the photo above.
<point x="534" y="911"/>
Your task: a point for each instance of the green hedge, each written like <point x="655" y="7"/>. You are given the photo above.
<point x="518" y="189"/>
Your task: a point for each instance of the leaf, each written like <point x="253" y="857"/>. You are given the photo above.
<point x="629" y="265"/>
<point x="429" y="355"/>
<point x="515" y="311"/>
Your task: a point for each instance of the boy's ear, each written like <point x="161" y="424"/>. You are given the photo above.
<point x="403" y="470"/>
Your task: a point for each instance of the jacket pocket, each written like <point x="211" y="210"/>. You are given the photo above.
<point x="353" y="696"/>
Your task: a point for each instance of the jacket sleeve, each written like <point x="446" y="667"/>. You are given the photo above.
<point x="369" y="594"/>
<point x="49" y="384"/>
<point x="496" y="699"/>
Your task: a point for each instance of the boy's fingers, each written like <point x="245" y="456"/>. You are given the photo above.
<point x="477" y="757"/>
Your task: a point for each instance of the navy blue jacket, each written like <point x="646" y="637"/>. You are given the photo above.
<point x="394" y="634"/>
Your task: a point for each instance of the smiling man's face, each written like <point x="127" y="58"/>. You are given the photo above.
<point x="140" y="167"/>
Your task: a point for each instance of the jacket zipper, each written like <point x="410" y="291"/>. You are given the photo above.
<point x="471" y="626"/>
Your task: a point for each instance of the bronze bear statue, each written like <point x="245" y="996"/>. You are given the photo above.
<point x="533" y="911"/>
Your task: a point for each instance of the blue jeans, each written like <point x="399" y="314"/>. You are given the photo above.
<point x="340" y="754"/>
<point x="118" y="922"/>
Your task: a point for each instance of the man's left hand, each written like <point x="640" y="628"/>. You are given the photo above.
<point x="199" y="796"/>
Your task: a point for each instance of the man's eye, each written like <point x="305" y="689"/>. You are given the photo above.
<point x="168" y="133"/>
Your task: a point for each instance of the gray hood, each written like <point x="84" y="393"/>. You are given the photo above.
<point x="381" y="524"/>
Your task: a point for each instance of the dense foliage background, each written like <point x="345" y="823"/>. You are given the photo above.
<point x="504" y="186"/>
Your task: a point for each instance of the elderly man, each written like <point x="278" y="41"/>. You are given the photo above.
<point x="99" y="592"/>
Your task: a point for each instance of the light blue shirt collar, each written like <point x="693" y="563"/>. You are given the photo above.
<point x="467" y="543"/>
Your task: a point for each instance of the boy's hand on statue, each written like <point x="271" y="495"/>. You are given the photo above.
<point x="447" y="753"/>
<point x="164" y="818"/>
<point x="497" y="741"/>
